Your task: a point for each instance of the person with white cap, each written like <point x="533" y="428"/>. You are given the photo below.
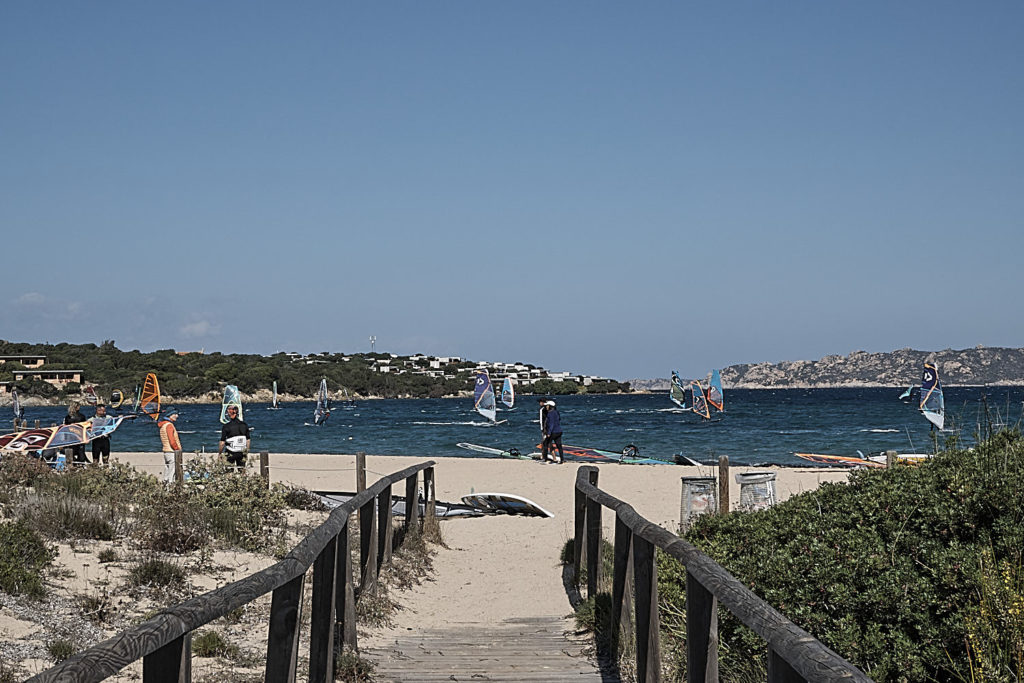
<point x="552" y="432"/>
<point x="169" y="441"/>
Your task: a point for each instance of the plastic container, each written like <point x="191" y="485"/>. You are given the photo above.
<point x="757" y="490"/>
<point x="699" y="497"/>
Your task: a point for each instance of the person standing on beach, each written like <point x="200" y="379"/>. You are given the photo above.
<point x="553" y="433"/>
<point x="74" y="416"/>
<point x="234" y="439"/>
<point x="101" y="444"/>
<point x="169" y="441"/>
<point x="542" y="402"/>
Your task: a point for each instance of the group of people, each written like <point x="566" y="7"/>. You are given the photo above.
<point x="551" y="429"/>
<point x="234" y="440"/>
<point x="234" y="437"/>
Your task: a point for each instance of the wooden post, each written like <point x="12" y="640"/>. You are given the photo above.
<point x="179" y="467"/>
<point x="345" y="601"/>
<point x="367" y="546"/>
<point x="430" y="492"/>
<point x="645" y="571"/>
<point x="890" y="458"/>
<point x="265" y="467"/>
<point x="412" y="503"/>
<point x="283" y="634"/>
<point x="593" y="546"/>
<point x="579" y="537"/>
<point x="384" y="532"/>
<point x="37" y="424"/>
<point x="360" y="472"/>
<point x="172" y="663"/>
<point x="322" y="616"/>
<point x="623" y="552"/>
<point x="701" y="632"/>
<point x="723" y="484"/>
<point x="779" y="671"/>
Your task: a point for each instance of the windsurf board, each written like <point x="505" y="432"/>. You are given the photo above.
<point x="510" y="453"/>
<point x="838" y="460"/>
<point x="505" y="502"/>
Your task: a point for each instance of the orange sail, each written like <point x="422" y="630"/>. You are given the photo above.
<point x="150" y="401"/>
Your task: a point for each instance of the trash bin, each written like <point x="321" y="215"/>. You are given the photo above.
<point x="757" y="490"/>
<point x="699" y="497"/>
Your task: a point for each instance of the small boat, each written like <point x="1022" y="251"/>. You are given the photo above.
<point x="932" y="405"/>
<point x="483" y="397"/>
<point x="323" y="407"/>
<point x="508" y="393"/>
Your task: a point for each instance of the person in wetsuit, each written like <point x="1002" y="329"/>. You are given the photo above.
<point x="234" y="439"/>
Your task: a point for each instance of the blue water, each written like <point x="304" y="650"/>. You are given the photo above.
<point x="760" y="426"/>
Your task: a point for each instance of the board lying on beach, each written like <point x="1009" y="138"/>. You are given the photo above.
<point x="333" y="499"/>
<point x="838" y="460"/>
<point x="510" y="453"/>
<point x="628" y="455"/>
<point x="505" y="502"/>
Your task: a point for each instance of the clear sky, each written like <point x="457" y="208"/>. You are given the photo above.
<point x="603" y="187"/>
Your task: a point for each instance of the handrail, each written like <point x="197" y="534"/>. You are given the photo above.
<point x="793" y="653"/>
<point x="174" y="623"/>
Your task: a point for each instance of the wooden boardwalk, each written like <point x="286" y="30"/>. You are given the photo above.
<point x="528" y="649"/>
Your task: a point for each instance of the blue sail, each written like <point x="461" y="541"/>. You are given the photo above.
<point x="483" y="396"/>
<point x="932" y="405"/>
<point x="677" y="392"/>
<point x="508" y="393"/>
<point x="715" y="395"/>
<point x="700" y="404"/>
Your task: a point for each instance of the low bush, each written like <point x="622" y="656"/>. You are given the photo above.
<point x="298" y="498"/>
<point x="23" y="556"/>
<point x="62" y="517"/>
<point x="897" y="570"/>
<point x="240" y="507"/>
<point x="22" y="470"/>
<point x="209" y="643"/>
<point x="107" y="555"/>
<point x="172" y="522"/>
<point x="154" y="572"/>
<point x="351" y="668"/>
<point x="60" y="649"/>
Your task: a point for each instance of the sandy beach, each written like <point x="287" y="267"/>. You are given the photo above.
<point x="498" y="566"/>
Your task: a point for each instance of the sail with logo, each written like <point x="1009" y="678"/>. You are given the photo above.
<point x="932" y="405"/>
<point x="483" y="398"/>
<point x="508" y="393"/>
<point x="700" y="402"/>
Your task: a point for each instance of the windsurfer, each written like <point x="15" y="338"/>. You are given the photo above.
<point x="234" y="439"/>
<point x="552" y="433"/>
<point x="169" y="441"/>
<point x="101" y="444"/>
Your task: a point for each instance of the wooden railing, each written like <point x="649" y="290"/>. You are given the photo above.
<point x="164" y="642"/>
<point x="793" y="654"/>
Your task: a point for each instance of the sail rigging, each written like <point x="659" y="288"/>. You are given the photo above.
<point x="232" y="399"/>
<point x="483" y="396"/>
<point x="715" y="396"/>
<point x="932" y="405"/>
<point x="700" y="403"/>
<point x="323" y="408"/>
<point x="677" y="392"/>
<point x="508" y="393"/>
<point x="149" y="397"/>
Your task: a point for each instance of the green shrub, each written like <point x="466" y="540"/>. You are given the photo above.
<point x="66" y="517"/>
<point x="156" y="573"/>
<point x="884" y="570"/>
<point x="298" y="498"/>
<point x="211" y="643"/>
<point x="351" y="668"/>
<point x="107" y="555"/>
<point x="240" y="507"/>
<point x="60" y="649"/>
<point x="22" y="470"/>
<point x="172" y="522"/>
<point x="23" y="556"/>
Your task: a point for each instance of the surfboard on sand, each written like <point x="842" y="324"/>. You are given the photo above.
<point x="333" y="499"/>
<point x="838" y="460"/>
<point x="505" y="502"/>
<point x="628" y="456"/>
<point x="510" y="453"/>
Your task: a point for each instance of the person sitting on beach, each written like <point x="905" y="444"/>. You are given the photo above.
<point x="234" y="439"/>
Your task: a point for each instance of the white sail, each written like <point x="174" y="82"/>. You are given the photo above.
<point x="508" y="393"/>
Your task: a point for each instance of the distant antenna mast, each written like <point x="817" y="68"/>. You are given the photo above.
<point x="373" y="342"/>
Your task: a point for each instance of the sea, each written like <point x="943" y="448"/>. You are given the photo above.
<point x="758" y="427"/>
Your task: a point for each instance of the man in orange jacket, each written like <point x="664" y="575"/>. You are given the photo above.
<point x="169" y="441"/>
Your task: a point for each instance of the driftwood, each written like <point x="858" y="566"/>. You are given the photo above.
<point x="164" y="641"/>
<point x="793" y="654"/>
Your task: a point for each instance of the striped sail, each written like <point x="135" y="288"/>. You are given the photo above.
<point x="508" y="393"/>
<point x="700" y="403"/>
<point x="932" y="405"/>
<point x="677" y="392"/>
<point x="149" y="397"/>
<point x="483" y="396"/>
<point x="715" y="396"/>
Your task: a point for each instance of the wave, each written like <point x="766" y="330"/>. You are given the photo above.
<point x="881" y="431"/>
<point x="469" y="423"/>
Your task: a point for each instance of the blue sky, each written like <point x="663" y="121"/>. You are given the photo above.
<point x="611" y="188"/>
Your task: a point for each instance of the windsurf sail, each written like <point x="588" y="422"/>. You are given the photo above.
<point x="149" y="397"/>
<point x="715" y="396"/>
<point x="908" y="393"/>
<point x="323" y="408"/>
<point x="61" y="436"/>
<point x="19" y="410"/>
<point x="508" y="393"/>
<point x="677" y="392"/>
<point x="90" y="396"/>
<point x="273" y="401"/>
<point x="700" y="403"/>
<point x="138" y="398"/>
<point x="232" y="399"/>
<point x="932" y="405"/>
<point x="483" y="396"/>
<point x="116" y="398"/>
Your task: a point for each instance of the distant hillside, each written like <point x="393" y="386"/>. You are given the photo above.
<point x="978" y="366"/>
